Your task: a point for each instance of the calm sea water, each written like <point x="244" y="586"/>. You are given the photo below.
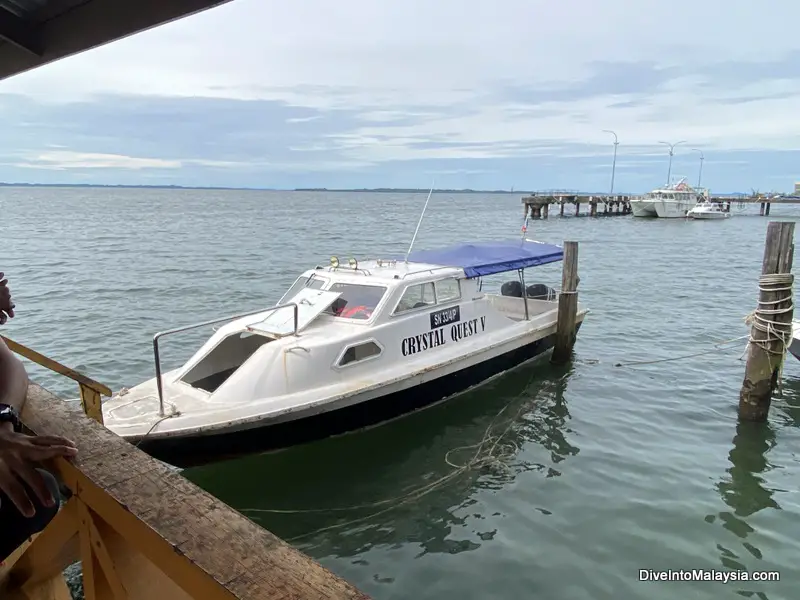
<point x="599" y="470"/>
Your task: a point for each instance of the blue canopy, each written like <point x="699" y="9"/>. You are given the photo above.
<point x="485" y="258"/>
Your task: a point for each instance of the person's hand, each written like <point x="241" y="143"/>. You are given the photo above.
<point x="33" y="447"/>
<point x="18" y="455"/>
<point x="13" y="471"/>
<point x="6" y="305"/>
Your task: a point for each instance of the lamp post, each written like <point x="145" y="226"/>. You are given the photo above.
<point x="700" y="174"/>
<point x="671" y="152"/>
<point x="614" y="162"/>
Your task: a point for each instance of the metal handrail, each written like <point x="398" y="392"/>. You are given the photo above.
<point x="430" y="270"/>
<point x="161" y="334"/>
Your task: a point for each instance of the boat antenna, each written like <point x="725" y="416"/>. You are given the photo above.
<point x="424" y="208"/>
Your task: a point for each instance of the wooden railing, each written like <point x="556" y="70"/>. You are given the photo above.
<point x="90" y="389"/>
<point x="144" y="532"/>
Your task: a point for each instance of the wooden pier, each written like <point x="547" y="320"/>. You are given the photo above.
<point x="141" y="530"/>
<point x="538" y="204"/>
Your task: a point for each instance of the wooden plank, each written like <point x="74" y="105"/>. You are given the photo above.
<point x="765" y="353"/>
<point x="53" y="365"/>
<point x="91" y="404"/>
<point x="567" y="305"/>
<point x="206" y="548"/>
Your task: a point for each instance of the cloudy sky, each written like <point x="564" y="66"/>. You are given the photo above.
<point x="360" y="93"/>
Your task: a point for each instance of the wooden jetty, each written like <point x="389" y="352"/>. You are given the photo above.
<point x="538" y="204"/>
<point x="141" y="530"/>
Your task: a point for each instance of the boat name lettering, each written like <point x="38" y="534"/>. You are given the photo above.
<point x="443" y="317"/>
<point x="434" y="338"/>
<point x="461" y="330"/>
<point x="422" y="341"/>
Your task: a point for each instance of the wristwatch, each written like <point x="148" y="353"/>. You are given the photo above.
<point x="9" y="415"/>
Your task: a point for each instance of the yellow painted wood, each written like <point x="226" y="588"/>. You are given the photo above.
<point x="54" y="588"/>
<point x="53" y="550"/>
<point x="101" y="553"/>
<point x="53" y="365"/>
<point x="90" y="401"/>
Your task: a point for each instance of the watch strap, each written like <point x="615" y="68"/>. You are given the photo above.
<point x="9" y="415"/>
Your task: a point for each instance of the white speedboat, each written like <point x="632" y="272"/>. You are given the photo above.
<point x="794" y="345"/>
<point x="708" y="210"/>
<point x="672" y="201"/>
<point x="346" y="347"/>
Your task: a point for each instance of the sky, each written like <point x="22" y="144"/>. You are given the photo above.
<point x="358" y="93"/>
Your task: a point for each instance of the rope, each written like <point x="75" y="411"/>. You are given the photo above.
<point x="158" y="422"/>
<point x="490" y="450"/>
<point x="719" y="346"/>
<point x="773" y="331"/>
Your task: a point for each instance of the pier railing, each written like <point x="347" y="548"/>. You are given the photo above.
<point x="142" y="531"/>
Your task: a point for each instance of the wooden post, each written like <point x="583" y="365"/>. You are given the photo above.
<point x="577" y="206"/>
<point x="567" y="305"/>
<point x="592" y="207"/>
<point x="545" y="210"/>
<point x="561" y="213"/>
<point x="772" y="320"/>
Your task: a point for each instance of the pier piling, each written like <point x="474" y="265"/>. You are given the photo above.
<point x="567" y="305"/>
<point x="771" y="324"/>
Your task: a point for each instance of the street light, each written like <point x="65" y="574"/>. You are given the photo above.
<point x="700" y="174"/>
<point x="671" y="152"/>
<point x="614" y="163"/>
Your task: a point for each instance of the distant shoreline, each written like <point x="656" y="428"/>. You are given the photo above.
<point x="326" y="190"/>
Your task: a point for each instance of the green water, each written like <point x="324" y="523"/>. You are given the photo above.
<point x="589" y="473"/>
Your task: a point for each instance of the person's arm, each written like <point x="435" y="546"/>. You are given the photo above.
<point x="13" y="379"/>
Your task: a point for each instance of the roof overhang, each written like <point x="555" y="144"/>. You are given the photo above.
<point x="36" y="32"/>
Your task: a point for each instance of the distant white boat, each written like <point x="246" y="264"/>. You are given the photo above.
<point x="708" y="210"/>
<point x="669" y="202"/>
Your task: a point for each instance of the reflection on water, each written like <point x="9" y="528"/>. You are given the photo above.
<point x="746" y="493"/>
<point x="416" y="480"/>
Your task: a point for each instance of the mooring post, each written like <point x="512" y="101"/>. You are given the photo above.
<point x="771" y="323"/>
<point x="567" y="305"/>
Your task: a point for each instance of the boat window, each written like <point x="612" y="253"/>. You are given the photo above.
<point x="316" y="283"/>
<point x="447" y="290"/>
<point x="359" y="352"/>
<point x="357" y="301"/>
<point x="416" y="296"/>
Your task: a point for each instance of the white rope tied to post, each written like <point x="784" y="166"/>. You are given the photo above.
<point x="762" y="318"/>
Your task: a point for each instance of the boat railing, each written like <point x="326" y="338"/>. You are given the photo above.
<point x="429" y="270"/>
<point x="167" y="332"/>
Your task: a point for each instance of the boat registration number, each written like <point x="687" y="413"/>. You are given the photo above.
<point x="446" y="316"/>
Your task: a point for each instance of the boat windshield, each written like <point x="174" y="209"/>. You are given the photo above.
<point x="357" y="301"/>
<point x="316" y="283"/>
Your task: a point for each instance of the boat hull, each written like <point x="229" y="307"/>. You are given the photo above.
<point x="794" y="345"/>
<point x="187" y="451"/>
<point x="643" y="208"/>
<point x="707" y="216"/>
<point x="672" y="209"/>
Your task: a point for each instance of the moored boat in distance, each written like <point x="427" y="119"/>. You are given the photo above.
<point x="708" y="210"/>
<point x="347" y="346"/>
<point x="672" y="201"/>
